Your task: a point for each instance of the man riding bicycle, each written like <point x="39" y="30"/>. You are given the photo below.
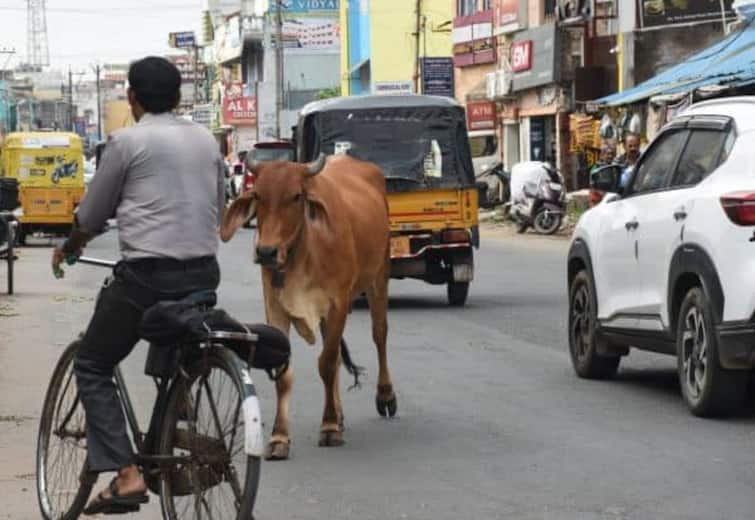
<point x="163" y="181"/>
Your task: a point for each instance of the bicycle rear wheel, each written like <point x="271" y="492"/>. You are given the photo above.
<point x="204" y="422"/>
<point x="63" y="485"/>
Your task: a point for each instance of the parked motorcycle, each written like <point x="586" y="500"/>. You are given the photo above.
<point x="497" y="189"/>
<point x="538" y="197"/>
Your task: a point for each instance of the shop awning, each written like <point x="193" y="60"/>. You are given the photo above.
<point x="729" y="62"/>
<point x="358" y="66"/>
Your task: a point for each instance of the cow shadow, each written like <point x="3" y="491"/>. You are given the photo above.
<point x="432" y="303"/>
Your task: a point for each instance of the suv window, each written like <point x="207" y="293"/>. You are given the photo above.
<point x="658" y="161"/>
<point x="701" y="155"/>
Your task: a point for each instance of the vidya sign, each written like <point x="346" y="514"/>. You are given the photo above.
<point x="656" y="13"/>
<point x="238" y="108"/>
<point x="310" y="6"/>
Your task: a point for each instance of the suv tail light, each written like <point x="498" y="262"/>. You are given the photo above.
<point x="740" y="207"/>
<point x="455" y="235"/>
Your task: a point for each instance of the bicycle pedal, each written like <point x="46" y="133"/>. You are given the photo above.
<point x="122" y="509"/>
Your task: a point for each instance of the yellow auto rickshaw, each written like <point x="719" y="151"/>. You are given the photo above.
<point x="421" y="145"/>
<point x="49" y="168"/>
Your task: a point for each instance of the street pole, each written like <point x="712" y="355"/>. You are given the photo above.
<point x="99" y="105"/>
<point x="723" y="16"/>
<point x="278" y="69"/>
<point x="70" y="100"/>
<point x="196" y="74"/>
<point x="417" y="42"/>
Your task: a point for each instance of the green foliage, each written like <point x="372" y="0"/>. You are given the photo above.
<point x="328" y="93"/>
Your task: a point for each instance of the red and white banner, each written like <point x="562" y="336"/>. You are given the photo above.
<point x="481" y="116"/>
<point x="238" y="109"/>
<point x="521" y="56"/>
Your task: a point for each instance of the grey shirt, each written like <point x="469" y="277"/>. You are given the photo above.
<point x="163" y="180"/>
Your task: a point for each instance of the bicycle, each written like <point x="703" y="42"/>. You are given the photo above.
<point x="188" y="454"/>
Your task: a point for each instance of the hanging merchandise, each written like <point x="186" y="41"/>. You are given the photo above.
<point x="607" y="128"/>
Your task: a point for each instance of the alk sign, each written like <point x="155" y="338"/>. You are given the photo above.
<point x="239" y="109"/>
<point x="521" y="56"/>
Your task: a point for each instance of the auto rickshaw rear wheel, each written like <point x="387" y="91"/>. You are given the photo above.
<point x="21" y="233"/>
<point x="457" y="293"/>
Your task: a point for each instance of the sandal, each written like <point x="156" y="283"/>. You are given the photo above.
<point x="116" y="504"/>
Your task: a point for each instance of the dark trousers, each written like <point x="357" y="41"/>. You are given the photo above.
<point x="112" y="335"/>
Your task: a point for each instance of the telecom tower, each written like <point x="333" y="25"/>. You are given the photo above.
<point x="37" y="49"/>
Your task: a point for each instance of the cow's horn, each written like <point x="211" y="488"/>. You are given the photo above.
<point x="317" y="165"/>
<point x="252" y="164"/>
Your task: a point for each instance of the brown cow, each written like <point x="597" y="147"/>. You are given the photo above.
<point x="323" y="239"/>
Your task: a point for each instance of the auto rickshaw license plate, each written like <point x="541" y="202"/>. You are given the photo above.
<point x="400" y="246"/>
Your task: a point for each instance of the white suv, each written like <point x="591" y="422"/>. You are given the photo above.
<point x="668" y="263"/>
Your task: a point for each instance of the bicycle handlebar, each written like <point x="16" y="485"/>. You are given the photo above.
<point x="95" y="261"/>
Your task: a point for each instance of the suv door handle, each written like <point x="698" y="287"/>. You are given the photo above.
<point x="680" y="214"/>
<point x="632" y="225"/>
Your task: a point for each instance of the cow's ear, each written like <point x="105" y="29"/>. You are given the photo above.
<point x="238" y="214"/>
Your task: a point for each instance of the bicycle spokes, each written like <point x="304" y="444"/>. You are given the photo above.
<point x="209" y="487"/>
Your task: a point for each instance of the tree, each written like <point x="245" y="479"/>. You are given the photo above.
<point x="328" y="93"/>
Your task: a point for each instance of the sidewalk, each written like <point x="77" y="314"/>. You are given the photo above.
<point x="35" y="326"/>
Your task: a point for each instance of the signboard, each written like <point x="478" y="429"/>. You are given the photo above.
<point x="238" y="108"/>
<point x="521" y="56"/>
<point x="481" y="116"/>
<point x="202" y="115"/>
<point x="542" y="66"/>
<point x="182" y="40"/>
<point x="387" y="88"/>
<point x="228" y="40"/>
<point x="508" y="12"/>
<point x="311" y="6"/>
<point x="656" y="13"/>
<point x="438" y="77"/>
<point x="473" y="39"/>
<point x="575" y="12"/>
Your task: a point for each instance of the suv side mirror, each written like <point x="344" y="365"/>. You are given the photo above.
<point x="607" y="178"/>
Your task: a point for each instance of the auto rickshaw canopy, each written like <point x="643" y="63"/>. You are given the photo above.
<point x="399" y="133"/>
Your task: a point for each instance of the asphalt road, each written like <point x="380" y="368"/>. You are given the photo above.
<point x="492" y="422"/>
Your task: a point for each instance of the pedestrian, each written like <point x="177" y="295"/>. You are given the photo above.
<point x="607" y="157"/>
<point x="630" y="156"/>
<point x="163" y="179"/>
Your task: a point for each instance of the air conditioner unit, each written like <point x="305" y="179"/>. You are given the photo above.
<point x="502" y="82"/>
<point x="491" y="85"/>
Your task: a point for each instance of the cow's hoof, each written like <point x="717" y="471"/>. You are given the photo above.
<point x="387" y="407"/>
<point x="278" y="450"/>
<point x="331" y="439"/>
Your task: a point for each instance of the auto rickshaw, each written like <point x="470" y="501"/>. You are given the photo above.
<point x="49" y="168"/>
<point x="421" y="145"/>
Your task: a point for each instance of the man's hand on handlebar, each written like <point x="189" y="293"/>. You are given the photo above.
<point x="58" y="257"/>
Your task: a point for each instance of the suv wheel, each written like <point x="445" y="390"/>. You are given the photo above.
<point x="582" y="332"/>
<point x="707" y="387"/>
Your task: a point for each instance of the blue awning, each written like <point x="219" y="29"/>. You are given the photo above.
<point x="729" y="62"/>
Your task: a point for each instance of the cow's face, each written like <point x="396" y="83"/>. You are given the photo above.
<point x="279" y="200"/>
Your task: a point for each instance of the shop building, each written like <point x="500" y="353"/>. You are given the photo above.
<point x="396" y="47"/>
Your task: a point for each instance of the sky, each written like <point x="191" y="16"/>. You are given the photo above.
<point x="85" y="32"/>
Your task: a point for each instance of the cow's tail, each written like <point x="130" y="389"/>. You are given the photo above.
<point x="353" y="369"/>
